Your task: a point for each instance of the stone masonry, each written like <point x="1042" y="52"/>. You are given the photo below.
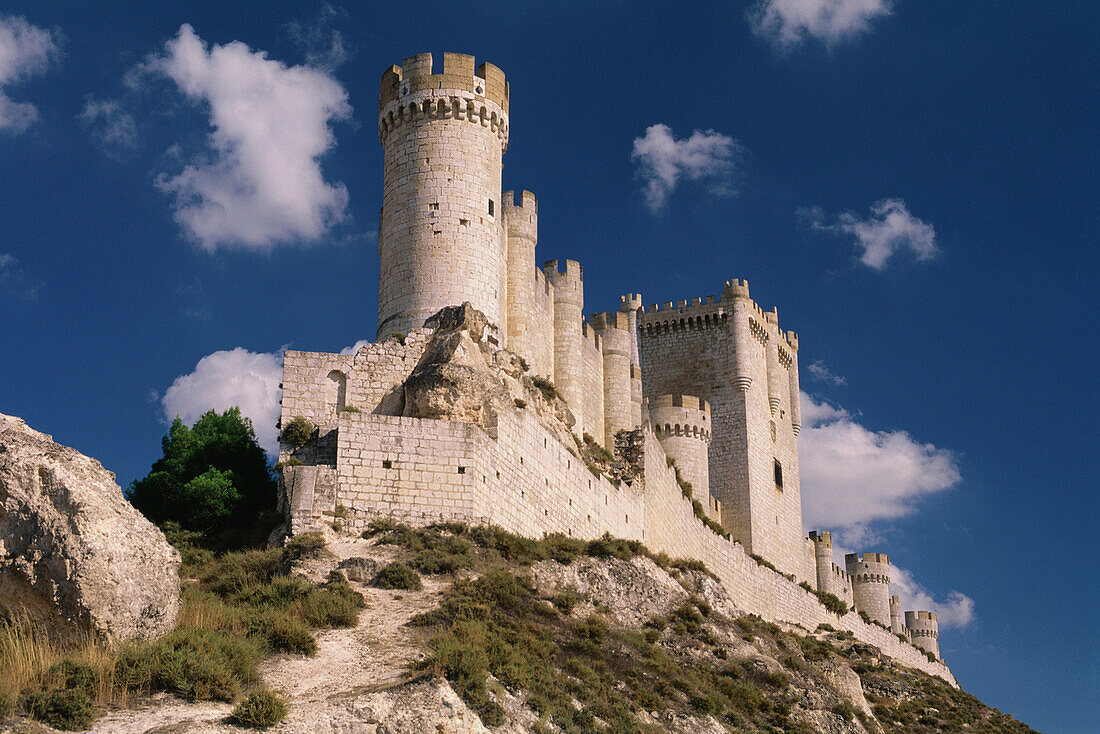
<point x="708" y="387"/>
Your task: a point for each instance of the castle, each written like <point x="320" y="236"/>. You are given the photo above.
<point x="700" y="397"/>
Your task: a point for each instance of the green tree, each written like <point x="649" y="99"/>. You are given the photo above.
<point x="213" y="479"/>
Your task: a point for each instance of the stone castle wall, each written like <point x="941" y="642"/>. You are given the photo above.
<point x="519" y="477"/>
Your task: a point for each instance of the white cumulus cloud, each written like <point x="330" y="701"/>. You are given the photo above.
<point x="25" y="51"/>
<point x="662" y="161"/>
<point x="821" y="373"/>
<point x="234" y="377"/>
<point x="260" y="182"/>
<point x="112" y="126"/>
<point x="852" y="476"/>
<point x="957" y="610"/>
<point x="787" y="23"/>
<point x="890" y="228"/>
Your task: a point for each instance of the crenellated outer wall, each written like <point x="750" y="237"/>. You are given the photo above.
<point x="520" y="478"/>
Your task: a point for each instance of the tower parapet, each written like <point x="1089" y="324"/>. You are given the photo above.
<point x="924" y="631"/>
<point x="870" y="575"/>
<point x="682" y="424"/>
<point x="440" y="236"/>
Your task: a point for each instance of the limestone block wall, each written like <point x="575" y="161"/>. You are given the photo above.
<point x="592" y="384"/>
<point x="521" y="479"/>
<point x="719" y="350"/>
<point x="441" y="238"/>
<point x="673" y="529"/>
<point x="542" y="326"/>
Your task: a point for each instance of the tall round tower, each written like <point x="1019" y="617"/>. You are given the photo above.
<point x="568" y="307"/>
<point x="924" y="630"/>
<point x="870" y="574"/>
<point x="682" y="425"/>
<point x="440" y="237"/>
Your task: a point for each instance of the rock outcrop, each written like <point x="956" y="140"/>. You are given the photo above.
<point x="75" y="556"/>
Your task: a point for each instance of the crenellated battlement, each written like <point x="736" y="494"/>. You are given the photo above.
<point x="486" y="82"/>
<point x="412" y="94"/>
<point x="521" y="216"/>
<point x="610" y="320"/>
<point x="850" y="558"/>
<point x="824" y="538"/>
<point x="678" y="401"/>
<point x="705" y="312"/>
<point x="630" y="302"/>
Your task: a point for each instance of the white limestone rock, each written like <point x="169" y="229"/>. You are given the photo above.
<point x="74" y="554"/>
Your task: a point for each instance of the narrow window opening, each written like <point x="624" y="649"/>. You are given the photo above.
<point x="464" y="222"/>
<point x="490" y="207"/>
<point x="461" y="470"/>
<point x="434" y="206"/>
<point x="778" y="474"/>
<point x="387" y="464"/>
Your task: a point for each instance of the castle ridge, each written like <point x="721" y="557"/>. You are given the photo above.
<point x="497" y="419"/>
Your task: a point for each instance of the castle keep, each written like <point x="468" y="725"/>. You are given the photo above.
<point x="498" y="411"/>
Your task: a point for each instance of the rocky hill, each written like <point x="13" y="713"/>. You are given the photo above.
<point x="483" y="631"/>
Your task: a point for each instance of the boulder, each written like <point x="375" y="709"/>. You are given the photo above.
<point x="75" y="556"/>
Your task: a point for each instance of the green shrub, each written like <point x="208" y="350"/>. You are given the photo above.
<point x="297" y="432"/>
<point x="776" y="679"/>
<point x="69" y="709"/>
<point x="398" y="337"/>
<point x="260" y="710"/>
<point x="546" y="387"/>
<point x="592" y="628"/>
<point x="303" y="545"/>
<point x="832" y="602"/>
<point x="608" y="547"/>
<point x="213" y="478"/>
<point x="350" y="409"/>
<point x="282" y="633"/>
<point x="7" y="702"/>
<point x="814" y="649"/>
<point x="566" y="600"/>
<point x="521" y="404"/>
<point x="562" y="548"/>
<point x="195" y="664"/>
<point x="845" y="710"/>
<point x="397" y="575"/>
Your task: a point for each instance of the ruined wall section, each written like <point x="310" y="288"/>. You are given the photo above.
<point x="318" y="386"/>
<point x="441" y="237"/>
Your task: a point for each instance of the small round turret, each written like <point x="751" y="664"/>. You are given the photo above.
<point x="682" y="425"/>
<point x="924" y="631"/>
<point x="870" y="575"/>
<point x="897" y="626"/>
<point x="568" y="309"/>
<point x="522" y="227"/>
<point x="823" y="557"/>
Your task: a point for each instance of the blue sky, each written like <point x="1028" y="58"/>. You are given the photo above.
<point x="913" y="184"/>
